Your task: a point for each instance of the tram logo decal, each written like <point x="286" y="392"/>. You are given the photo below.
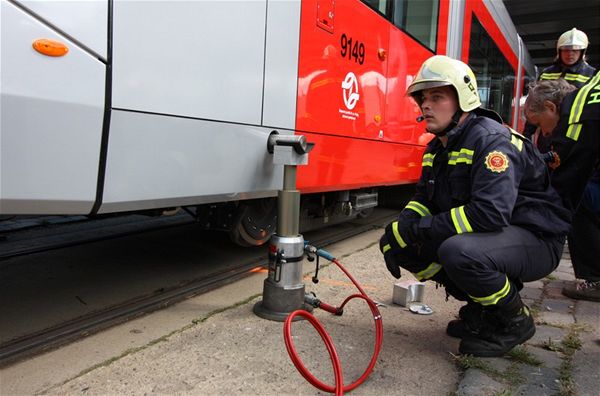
<point x="350" y="90"/>
<point x="351" y="96"/>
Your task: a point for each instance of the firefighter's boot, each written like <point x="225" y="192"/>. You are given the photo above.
<point x="586" y="290"/>
<point x="470" y="321"/>
<point x="507" y="326"/>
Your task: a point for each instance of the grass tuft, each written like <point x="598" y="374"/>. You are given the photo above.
<point x="521" y="354"/>
<point x="511" y="376"/>
<point x="570" y="344"/>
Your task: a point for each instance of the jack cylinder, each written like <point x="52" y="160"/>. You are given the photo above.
<point x="283" y="290"/>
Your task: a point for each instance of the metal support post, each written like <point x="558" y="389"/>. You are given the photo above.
<point x="283" y="290"/>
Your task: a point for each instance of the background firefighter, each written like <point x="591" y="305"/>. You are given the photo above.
<point x="572" y="120"/>
<point x="484" y="217"/>
<point x="569" y="65"/>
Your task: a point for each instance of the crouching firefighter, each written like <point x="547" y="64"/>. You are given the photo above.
<point x="483" y="219"/>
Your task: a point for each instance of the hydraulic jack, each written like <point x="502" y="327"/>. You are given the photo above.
<point x="283" y="290"/>
<point x="284" y="299"/>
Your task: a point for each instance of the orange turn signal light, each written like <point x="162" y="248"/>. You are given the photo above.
<point x="50" y="47"/>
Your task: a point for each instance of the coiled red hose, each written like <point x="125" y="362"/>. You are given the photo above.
<point x="339" y="387"/>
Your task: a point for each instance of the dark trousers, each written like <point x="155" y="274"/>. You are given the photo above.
<point x="479" y="264"/>
<point x="584" y="241"/>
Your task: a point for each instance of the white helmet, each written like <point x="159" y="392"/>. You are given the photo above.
<point x="440" y="70"/>
<point x="572" y="39"/>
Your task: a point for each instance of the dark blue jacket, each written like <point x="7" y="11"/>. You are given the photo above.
<point x="576" y="75"/>
<point x="486" y="178"/>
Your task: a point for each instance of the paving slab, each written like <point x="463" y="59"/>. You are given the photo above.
<point x="586" y="363"/>
<point x="588" y="313"/>
<point x="545" y="334"/>
<point x="531" y="293"/>
<point x="540" y="381"/>
<point x="478" y="383"/>
<point x="550" y="359"/>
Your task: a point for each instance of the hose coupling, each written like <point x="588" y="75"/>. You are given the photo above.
<point x="311" y="299"/>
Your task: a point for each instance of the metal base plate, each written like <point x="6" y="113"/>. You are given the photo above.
<point x="265" y="313"/>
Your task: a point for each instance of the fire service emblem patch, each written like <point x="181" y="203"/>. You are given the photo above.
<point x="496" y="161"/>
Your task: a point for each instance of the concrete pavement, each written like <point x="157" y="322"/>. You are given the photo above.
<point x="214" y="345"/>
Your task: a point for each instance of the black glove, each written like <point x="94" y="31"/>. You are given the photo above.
<point x="548" y="156"/>
<point x="388" y="255"/>
<point x="403" y="233"/>
<point x="552" y="159"/>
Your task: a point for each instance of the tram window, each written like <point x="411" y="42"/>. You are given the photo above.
<point x="378" y="5"/>
<point x="495" y="76"/>
<point x="419" y="18"/>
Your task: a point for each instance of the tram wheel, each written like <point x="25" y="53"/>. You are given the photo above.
<point x="257" y="220"/>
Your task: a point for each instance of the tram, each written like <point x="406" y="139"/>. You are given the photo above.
<point x="113" y="106"/>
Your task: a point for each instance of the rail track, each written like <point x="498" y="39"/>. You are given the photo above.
<point x="68" y="331"/>
<point x="48" y="233"/>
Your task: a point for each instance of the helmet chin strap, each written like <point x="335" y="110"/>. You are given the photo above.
<point x="453" y="123"/>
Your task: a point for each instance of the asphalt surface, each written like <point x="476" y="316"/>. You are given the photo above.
<point x="213" y="344"/>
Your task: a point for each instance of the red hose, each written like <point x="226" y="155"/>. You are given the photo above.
<point x="339" y="387"/>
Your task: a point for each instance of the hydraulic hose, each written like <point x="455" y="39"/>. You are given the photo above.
<point x="338" y="387"/>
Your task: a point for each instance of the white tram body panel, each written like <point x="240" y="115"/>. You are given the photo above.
<point x="84" y="20"/>
<point x="148" y="165"/>
<point x="51" y="119"/>
<point x="184" y="58"/>
<point x="195" y="87"/>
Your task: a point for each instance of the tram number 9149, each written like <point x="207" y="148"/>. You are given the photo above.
<point x="353" y="49"/>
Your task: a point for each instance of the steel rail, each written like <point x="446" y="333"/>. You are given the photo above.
<point x="64" y="333"/>
<point x="67" y="235"/>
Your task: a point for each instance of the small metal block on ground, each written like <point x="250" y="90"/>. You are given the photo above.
<point x="408" y="292"/>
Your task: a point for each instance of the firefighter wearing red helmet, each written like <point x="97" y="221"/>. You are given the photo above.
<point x="570" y="63"/>
<point x="483" y="219"/>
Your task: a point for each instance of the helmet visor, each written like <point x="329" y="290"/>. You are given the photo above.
<point x="571" y="47"/>
<point x="421" y="85"/>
